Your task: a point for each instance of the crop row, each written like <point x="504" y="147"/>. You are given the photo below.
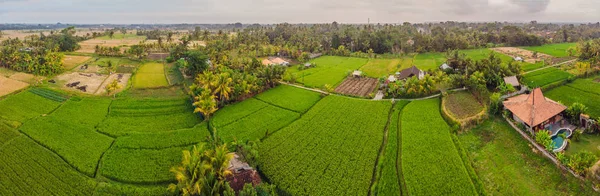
<point x="49" y="94"/>
<point x="6" y="132"/>
<point x="25" y="105"/>
<point x="29" y="169"/>
<point x="257" y="125"/>
<point x="80" y="146"/>
<point x="232" y="113"/>
<point x="431" y="164"/>
<point x="141" y="165"/>
<point x="586" y="85"/>
<point x="388" y="182"/>
<point x="86" y="112"/>
<point x="568" y="95"/>
<point x="547" y="77"/>
<point x="289" y="97"/>
<point x="182" y="137"/>
<point x="115" y="188"/>
<point x="331" y="150"/>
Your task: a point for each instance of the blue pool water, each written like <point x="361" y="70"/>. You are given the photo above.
<point x="558" y="140"/>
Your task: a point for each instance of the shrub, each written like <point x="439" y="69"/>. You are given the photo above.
<point x="169" y="59"/>
<point x="564" y="159"/>
<point x="543" y="138"/>
<point x="495" y="104"/>
<point x="574" y="111"/>
<point x="581" y="161"/>
<point x="577" y="135"/>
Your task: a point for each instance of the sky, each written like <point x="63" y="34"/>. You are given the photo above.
<point x="295" y="11"/>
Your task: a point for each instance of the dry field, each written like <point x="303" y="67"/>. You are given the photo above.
<point x="361" y="87"/>
<point x="123" y="82"/>
<point x="525" y="54"/>
<point x="89" y="46"/>
<point x="8" y="85"/>
<point x="91" y="80"/>
<point x="71" y="62"/>
<point x="25" y="77"/>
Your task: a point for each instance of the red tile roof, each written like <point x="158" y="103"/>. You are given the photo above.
<point x="533" y="109"/>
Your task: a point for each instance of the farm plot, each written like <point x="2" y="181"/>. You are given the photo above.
<point x="141" y="165"/>
<point x="556" y="50"/>
<point x="480" y="54"/>
<point x="83" y="82"/>
<point x="506" y="164"/>
<point x="388" y="181"/>
<point x="123" y="80"/>
<point x="25" y="105"/>
<point x="130" y="116"/>
<point x="89" y="46"/>
<point x="525" y="54"/>
<point x="360" y="87"/>
<point x="8" y="86"/>
<point x="181" y="137"/>
<point x="70" y="61"/>
<point x="431" y="164"/>
<point x="530" y="66"/>
<point x="70" y="133"/>
<point x="329" y="70"/>
<point x="462" y="104"/>
<point x="25" y="77"/>
<point x="289" y="97"/>
<point x="115" y="188"/>
<point x="545" y="77"/>
<point x="150" y="75"/>
<point x="331" y="150"/>
<point x="429" y="61"/>
<point x="380" y="67"/>
<point x="258" y="120"/>
<point x="29" y="169"/>
<point x="569" y="94"/>
<point x="7" y="132"/>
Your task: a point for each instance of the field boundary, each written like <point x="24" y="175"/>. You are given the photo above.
<point x="555" y="65"/>
<point x="98" y="165"/>
<point x="401" y="182"/>
<point x="382" y="148"/>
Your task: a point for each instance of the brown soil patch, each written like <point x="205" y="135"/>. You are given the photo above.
<point x="158" y="56"/>
<point x="123" y="82"/>
<point x="357" y="86"/>
<point x="25" y="77"/>
<point x="91" y="80"/>
<point x="525" y="54"/>
<point x="89" y="46"/>
<point x="8" y="85"/>
<point x="70" y="62"/>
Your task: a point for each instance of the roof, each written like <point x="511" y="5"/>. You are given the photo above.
<point x="512" y="80"/>
<point x="279" y="61"/>
<point x="357" y="73"/>
<point x="409" y="72"/>
<point x="518" y="58"/>
<point x="391" y="78"/>
<point x="267" y="62"/>
<point x="533" y="109"/>
<point x="445" y="66"/>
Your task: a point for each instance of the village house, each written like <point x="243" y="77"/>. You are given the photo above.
<point x="513" y="81"/>
<point x="275" y="61"/>
<point x="411" y="72"/>
<point x="535" y="111"/>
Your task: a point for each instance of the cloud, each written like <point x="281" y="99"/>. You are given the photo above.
<point x="294" y="11"/>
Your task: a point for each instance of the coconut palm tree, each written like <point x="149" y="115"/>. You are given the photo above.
<point x="205" y="104"/>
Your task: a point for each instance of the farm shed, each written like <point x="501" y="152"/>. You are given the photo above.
<point x="518" y="58"/>
<point x="357" y="73"/>
<point x="391" y="78"/>
<point x="512" y="80"/>
<point x="275" y="61"/>
<point x="410" y="72"/>
<point x="445" y="66"/>
<point x="535" y="111"/>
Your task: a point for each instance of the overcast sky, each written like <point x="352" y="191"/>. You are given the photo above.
<point x="295" y="11"/>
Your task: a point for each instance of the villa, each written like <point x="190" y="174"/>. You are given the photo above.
<point x="536" y="112"/>
<point x="411" y="72"/>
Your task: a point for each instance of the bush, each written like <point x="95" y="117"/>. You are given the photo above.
<point x="543" y="138"/>
<point x="581" y="161"/>
<point x="574" y="111"/>
<point x="169" y="59"/>
<point x="577" y="135"/>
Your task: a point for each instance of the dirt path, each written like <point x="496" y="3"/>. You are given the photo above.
<point x="555" y="65"/>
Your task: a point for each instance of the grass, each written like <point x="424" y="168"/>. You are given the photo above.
<point x="462" y="104"/>
<point x="330" y="70"/>
<point x="103" y="61"/>
<point x="431" y="164"/>
<point x="376" y="68"/>
<point x="506" y="164"/>
<point x="587" y="142"/>
<point x="545" y="77"/>
<point x="429" y="61"/>
<point x="181" y="137"/>
<point x="150" y="75"/>
<point x="25" y="105"/>
<point x="331" y="150"/>
<point x="175" y="76"/>
<point x="289" y="97"/>
<point x="555" y="50"/>
<point x="141" y="165"/>
<point x="530" y="67"/>
<point x="568" y="95"/>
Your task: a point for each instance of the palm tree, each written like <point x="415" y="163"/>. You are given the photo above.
<point x="205" y="103"/>
<point x="170" y="37"/>
<point x="222" y="86"/>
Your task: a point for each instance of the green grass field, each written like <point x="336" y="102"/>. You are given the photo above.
<point x="331" y="70"/>
<point x="462" y="104"/>
<point x="584" y="91"/>
<point x="376" y="68"/>
<point x="433" y="60"/>
<point x="555" y="50"/>
<point x="331" y="150"/>
<point x="150" y="75"/>
<point x="545" y="77"/>
<point x="431" y="164"/>
<point x="530" y="67"/>
<point x="504" y="161"/>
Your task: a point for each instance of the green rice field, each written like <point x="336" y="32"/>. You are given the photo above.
<point x="555" y="50"/>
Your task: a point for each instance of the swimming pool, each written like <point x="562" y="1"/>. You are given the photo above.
<point x="559" y="142"/>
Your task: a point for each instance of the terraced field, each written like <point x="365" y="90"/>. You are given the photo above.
<point x="545" y="77"/>
<point x="584" y="91"/>
<point x="331" y="150"/>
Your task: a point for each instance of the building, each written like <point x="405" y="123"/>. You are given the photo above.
<point x="357" y="73"/>
<point x="411" y="72"/>
<point x="535" y="111"/>
<point x="518" y="59"/>
<point x="391" y="78"/>
<point x="275" y="61"/>
<point x="445" y="66"/>
<point x="512" y="80"/>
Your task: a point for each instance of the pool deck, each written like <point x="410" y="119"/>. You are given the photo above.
<point x="557" y="127"/>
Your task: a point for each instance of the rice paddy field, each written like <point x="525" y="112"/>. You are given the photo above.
<point x="330" y="70"/>
<point x="377" y="68"/>
<point x="462" y="104"/>
<point x="584" y="91"/>
<point x="150" y="75"/>
<point x="555" y="50"/>
<point x="432" y="61"/>
<point x="545" y="77"/>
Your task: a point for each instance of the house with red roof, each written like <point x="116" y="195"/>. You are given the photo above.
<point x="535" y="111"/>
